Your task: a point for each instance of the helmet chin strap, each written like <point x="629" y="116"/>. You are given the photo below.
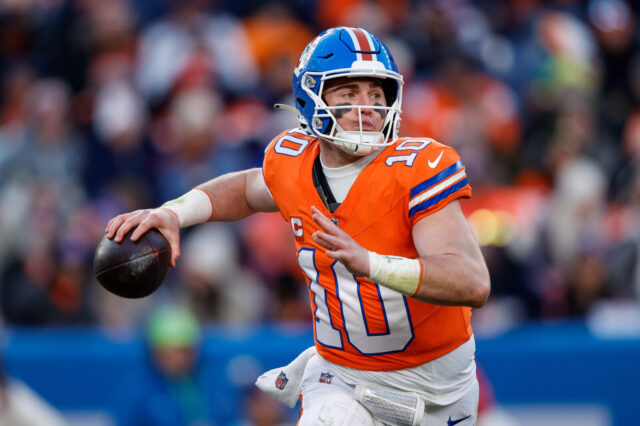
<point x="357" y="142"/>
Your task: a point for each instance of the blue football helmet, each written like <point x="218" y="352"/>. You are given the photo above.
<point x="346" y="52"/>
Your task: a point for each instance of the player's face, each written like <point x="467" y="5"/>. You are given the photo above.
<point x="356" y="91"/>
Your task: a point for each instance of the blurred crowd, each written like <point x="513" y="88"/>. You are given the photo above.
<point x="110" y="106"/>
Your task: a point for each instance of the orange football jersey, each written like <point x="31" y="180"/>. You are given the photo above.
<point x="358" y="323"/>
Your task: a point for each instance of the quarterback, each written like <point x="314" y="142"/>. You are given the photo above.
<point x="391" y="264"/>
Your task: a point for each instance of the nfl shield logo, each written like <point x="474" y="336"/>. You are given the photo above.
<point x="281" y="380"/>
<point x="325" y="378"/>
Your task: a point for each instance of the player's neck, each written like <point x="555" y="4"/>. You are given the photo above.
<point x="333" y="157"/>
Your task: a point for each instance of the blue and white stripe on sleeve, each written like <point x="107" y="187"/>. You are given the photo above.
<point x="437" y="188"/>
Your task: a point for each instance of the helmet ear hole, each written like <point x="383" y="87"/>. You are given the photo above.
<point x="301" y="102"/>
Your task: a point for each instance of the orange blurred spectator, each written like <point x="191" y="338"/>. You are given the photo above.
<point x="271" y="254"/>
<point x="331" y="13"/>
<point x="446" y="109"/>
<point x="271" y="248"/>
<point x="276" y="38"/>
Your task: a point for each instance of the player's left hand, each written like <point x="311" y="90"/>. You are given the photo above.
<point x="340" y="245"/>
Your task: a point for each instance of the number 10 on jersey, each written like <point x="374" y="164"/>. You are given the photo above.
<point x="399" y="330"/>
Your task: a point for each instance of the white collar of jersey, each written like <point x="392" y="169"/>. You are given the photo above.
<point x="350" y="169"/>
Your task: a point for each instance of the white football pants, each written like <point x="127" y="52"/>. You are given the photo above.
<point x="328" y="401"/>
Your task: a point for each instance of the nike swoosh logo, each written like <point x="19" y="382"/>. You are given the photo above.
<point x="434" y="164"/>
<point x="455" y="422"/>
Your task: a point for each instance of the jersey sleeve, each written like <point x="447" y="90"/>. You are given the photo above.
<point x="269" y="172"/>
<point x="268" y="166"/>
<point x="283" y="159"/>
<point x="439" y="179"/>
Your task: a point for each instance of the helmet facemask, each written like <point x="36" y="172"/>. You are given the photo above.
<point x="355" y="142"/>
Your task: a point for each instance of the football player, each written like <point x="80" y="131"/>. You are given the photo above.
<point x="391" y="264"/>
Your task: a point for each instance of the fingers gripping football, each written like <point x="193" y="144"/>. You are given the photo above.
<point x="340" y="245"/>
<point x="164" y="220"/>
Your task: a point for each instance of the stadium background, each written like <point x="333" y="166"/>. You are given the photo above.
<point x="109" y="106"/>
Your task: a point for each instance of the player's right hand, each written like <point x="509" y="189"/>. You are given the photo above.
<point x="340" y="245"/>
<point x="164" y="220"/>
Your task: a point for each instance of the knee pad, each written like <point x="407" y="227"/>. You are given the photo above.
<point x="335" y="410"/>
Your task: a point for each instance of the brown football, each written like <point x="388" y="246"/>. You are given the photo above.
<point x="132" y="269"/>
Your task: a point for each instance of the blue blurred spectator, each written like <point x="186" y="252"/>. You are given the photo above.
<point x="217" y="287"/>
<point x="120" y="151"/>
<point x="194" y="42"/>
<point x="180" y="395"/>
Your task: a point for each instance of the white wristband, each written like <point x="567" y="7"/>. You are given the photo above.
<point x="193" y="207"/>
<point x="397" y="273"/>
